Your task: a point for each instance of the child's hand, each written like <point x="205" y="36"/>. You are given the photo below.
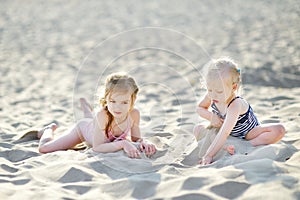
<point x="216" y="121"/>
<point x="206" y="160"/>
<point x="130" y="149"/>
<point x="149" y="148"/>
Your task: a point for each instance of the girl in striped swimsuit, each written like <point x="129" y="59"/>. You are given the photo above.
<point x="229" y="112"/>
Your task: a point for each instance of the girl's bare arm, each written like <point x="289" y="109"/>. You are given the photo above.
<point x="99" y="138"/>
<point x="135" y="129"/>
<point x="230" y="121"/>
<point x="203" y="106"/>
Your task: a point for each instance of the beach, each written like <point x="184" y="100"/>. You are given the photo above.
<point x="53" y="53"/>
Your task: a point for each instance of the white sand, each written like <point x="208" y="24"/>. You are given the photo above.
<point x="44" y="70"/>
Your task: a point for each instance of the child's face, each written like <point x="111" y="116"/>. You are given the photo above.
<point x="219" y="90"/>
<point x="119" y="104"/>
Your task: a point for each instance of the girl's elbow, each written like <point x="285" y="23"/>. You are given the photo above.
<point x="201" y="112"/>
<point x="281" y="131"/>
<point x="199" y="109"/>
<point x="94" y="149"/>
<point x="97" y="149"/>
<point x="100" y="148"/>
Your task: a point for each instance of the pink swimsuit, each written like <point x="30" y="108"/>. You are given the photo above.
<point x="87" y="133"/>
<point x="123" y="136"/>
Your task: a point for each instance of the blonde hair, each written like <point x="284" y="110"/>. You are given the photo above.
<point x="224" y="66"/>
<point x="118" y="82"/>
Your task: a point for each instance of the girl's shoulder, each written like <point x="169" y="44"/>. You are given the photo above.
<point x="239" y="103"/>
<point x="135" y="114"/>
<point x="102" y="115"/>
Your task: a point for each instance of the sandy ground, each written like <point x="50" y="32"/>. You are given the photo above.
<point x="52" y="53"/>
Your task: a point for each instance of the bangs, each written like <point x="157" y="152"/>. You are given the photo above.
<point x="120" y="88"/>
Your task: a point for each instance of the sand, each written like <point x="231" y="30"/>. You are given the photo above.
<point x="53" y="53"/>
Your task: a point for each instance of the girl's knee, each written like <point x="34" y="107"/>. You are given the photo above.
<point x="280" y="130"/>
<point x="198" y="131"/>
<point x="198" y="127"/>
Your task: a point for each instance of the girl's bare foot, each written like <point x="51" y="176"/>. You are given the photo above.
<point x="86" y="108"/>
<point x="230" y="149"/>
<point x="52" y="126"/>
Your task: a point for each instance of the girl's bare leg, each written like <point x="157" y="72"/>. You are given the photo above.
<point x="68" y="140"/>
<point x="199" y="131"/>
<point x="266" y="134"/>
<point x="86" y="108"/>
<point x="51" y="126"/>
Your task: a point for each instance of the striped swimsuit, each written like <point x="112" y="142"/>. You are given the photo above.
<point x="245" y="123"/>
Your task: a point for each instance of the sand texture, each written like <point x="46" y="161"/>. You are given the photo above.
<point x="54" y="52"/>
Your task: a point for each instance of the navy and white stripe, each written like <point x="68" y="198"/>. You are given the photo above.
<point x="245" y="123"/>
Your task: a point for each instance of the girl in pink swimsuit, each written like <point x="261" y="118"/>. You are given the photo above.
<point x="115" y="127"/>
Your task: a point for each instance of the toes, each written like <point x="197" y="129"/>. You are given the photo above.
<point x="84" y="103"/>
<point x="52" y="126"/>
<point x="230" y="149"/>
